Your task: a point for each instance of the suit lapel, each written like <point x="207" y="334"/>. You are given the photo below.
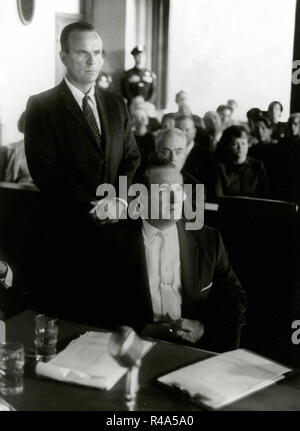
<point x="189" y="262"/>
<point x="72" y="106"/>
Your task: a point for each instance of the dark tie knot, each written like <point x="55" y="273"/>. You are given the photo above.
<point x="86" y="99"/>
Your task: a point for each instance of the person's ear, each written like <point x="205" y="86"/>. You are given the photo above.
<point x="63" y="55"/>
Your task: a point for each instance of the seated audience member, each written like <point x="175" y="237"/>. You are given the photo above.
<point x="274" y="112"/>
<point x="225" y="113"/>
<point x="237" y="174"/>
<point x="174" y="284"/>
<point x="171" y="146"/>
<point x="168" y="121"/>
<point x="253" y="116"/>
<point x="213" y="129"/>
<point x="265" y="149"/>
<point x="233" y="104"/>
<point x="199" y="160"/>
<point x="138" y="102"/>
<point x="17" y="170"/>
<point x="182" y="100"/>
<point x="144" y="139"/>
<point x="293" y="127"/>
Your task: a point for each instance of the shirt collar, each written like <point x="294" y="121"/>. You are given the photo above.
<point x="78" y="94"/>
<point x="149" y="231"/>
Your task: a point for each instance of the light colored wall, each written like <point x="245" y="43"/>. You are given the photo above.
<point x="110" y="21"/>
<point x="27" y="59"/>
<point x="237" y="49"/>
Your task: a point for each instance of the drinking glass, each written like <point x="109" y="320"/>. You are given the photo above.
<point x="11" y="368"/>
<point x="45" y="341"/>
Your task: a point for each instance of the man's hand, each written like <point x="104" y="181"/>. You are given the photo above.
<point x="107" y="211"/>
<point x="189" y="330"/>
<point x="3" y="269"/>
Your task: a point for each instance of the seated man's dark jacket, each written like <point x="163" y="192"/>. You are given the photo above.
<point x="63" y="156"/>
<point x="211" y="291"/>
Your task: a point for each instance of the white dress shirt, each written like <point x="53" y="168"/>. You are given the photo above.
<point x="79" y="95"/>
<point x="163" y="264"/>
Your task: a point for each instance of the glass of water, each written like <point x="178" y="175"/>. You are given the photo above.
<point x="11" y="368"/>
<point x="45" y="341"/>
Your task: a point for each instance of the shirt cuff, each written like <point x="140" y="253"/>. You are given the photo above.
<point x="8" y="279"/>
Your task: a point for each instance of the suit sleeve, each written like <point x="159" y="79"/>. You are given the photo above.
<point x="44" y="165"/>
<point x="131" y="157"/>
<point x="226" y="308"/>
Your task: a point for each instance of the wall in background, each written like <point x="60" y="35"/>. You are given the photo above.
<point x="27" y="54"/>
<point x="236" y="49"/>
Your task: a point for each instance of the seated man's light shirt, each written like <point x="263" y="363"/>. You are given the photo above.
<point x="163" y="264"/>
<point x="79" y="95"/>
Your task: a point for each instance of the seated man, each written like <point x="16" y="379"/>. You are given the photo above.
<point x="172" y="283"/>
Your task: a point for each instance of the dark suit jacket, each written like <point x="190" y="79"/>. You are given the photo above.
<point x="63" y="156"/>
<point x="210" y="289"/>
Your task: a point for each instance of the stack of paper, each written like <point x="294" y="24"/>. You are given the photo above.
<point x="225" y="378"/>
<point x="86" y="361"/>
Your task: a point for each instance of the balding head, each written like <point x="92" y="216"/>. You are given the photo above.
<point x="171" y="145"/>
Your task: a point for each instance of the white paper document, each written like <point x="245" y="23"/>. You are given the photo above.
<point x="86" y="361"/>
<point x="225" y="378"/>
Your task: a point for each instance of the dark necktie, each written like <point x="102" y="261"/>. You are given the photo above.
<point x="88" y="112"/>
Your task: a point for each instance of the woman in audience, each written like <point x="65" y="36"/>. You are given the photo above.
<point x="293" y="126"/>
<point x="253" y="116"/>
<point x="144" y="139"/>
<point x="265" y="141"/>
<point x="274" y="112"/>
<point x="237" y="174"/>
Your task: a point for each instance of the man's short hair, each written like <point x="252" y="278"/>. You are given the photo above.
<point x="75" y="26"/>
<point x="155" y="162"/>
<point x="222" y="108"/>
<point x="169" y="133"/>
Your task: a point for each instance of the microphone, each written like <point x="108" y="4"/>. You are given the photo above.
<point x="126" y="347"/>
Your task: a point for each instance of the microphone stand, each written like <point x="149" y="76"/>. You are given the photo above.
<point x="132" y="385"/>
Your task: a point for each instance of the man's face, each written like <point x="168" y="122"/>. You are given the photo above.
<point x="189" y="129"/>
<point x="182" y="99"/>
<point x="168" y="206"/>
<point x="275" y="112"/>
<point x="173" y="149"/>
<point x="239" y="148"/>
<point x="139" y="119"/>
<point x="84" y="57"/>
<point x="264" y="132"/>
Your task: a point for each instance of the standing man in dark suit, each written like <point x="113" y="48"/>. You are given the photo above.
<point x="174" y="284"/>
<point x="77" y="136"/>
